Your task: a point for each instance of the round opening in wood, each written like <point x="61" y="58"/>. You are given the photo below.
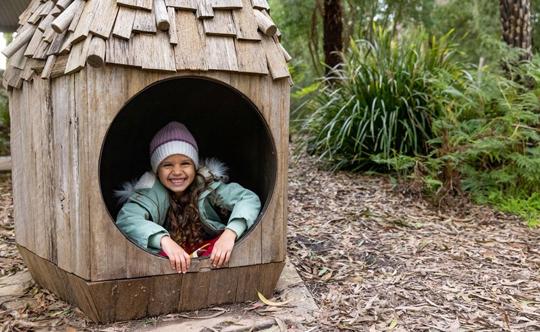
<point x="225" y="123"/>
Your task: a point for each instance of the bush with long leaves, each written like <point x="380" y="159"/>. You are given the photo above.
<point x="378" y="102"/>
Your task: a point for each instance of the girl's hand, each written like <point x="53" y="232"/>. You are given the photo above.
<point x="178" y="258"/>
<point x="221" y="253"/>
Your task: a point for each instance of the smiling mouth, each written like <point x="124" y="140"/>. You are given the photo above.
<point x="177" y="182"/>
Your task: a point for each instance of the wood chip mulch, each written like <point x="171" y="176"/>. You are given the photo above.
<point x="373" y="258"/>
<point x="377" y="260"/>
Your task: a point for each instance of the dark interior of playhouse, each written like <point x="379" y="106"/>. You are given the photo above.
<point x="224" y="122"/>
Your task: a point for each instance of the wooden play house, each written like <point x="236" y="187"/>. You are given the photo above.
<point x="90" y="82"/>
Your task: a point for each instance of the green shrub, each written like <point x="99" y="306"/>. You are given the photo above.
<point x="378" y="101"/>
<point x="4" y="123"/>
<point x="486" y="139"/>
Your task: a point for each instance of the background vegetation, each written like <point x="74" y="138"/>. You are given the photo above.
<point x="4" y="112"/>
<point x="427" y="91"/>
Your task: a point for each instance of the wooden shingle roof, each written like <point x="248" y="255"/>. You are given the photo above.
<point x="59" y="37"/>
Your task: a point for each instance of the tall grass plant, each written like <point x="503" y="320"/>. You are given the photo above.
<point x="379" y="101"/>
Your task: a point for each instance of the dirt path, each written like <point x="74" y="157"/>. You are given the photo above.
<point x="376" y="260"/>
<point x="373" y="259"/>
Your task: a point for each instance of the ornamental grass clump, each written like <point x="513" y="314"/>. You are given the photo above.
<point x="377" y="103"/>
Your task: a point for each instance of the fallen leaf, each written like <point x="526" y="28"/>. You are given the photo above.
<point x="271" y="303"/>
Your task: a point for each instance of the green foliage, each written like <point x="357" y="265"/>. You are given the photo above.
<point x="527" y="207"/>
<point x="488" y="132"/>
<point x="377" y="103"/>
<point x="300" y="22"/>
<point x="4" y="123"/>
<point x="486" y="139"/>
<point x="476" y="25"/>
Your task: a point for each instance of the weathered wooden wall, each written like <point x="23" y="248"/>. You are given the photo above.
<point x="126" y="299"/>
<point x="51" y="217"/>
<point x="58" y="131"/>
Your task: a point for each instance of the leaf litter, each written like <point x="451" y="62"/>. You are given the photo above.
<point x="377" y="259"/>
<point x="374" y="259"/>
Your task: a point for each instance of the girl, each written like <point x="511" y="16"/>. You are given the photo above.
<point x="179" y="207"/>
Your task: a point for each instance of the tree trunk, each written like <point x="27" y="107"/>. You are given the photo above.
<point x="516" y="25"/>
<point x="333" y="29"/>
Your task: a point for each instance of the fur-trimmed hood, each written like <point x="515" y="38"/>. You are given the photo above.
<point x="210" y="169"/>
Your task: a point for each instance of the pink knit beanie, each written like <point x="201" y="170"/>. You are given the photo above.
<point x="174" y="138"/>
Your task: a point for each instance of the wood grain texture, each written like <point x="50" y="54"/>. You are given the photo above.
<point x="18" y="107"/>
<point x="221" y="25"/>
<point x="102" y="23"/>
<point x="76" y="18"/>
<point x="63" y="104"/>
<point x="63" y="21"/>
<point x="153" y="52"/>
<point x="221" y="53"/>
<point x="56" y="44"/>
<point x="136" y="4"/>
<point x="145" y="4"/>
<point x="204" y="9"/>
<point x="251" y="57"/>
<point x="46" y="21"/>
<point x="28" y="72"/>
<point x="18" y="60"/>
<point x="48" y="67"/>
<point x="246" y="25"/>
<point x="118" y="300"/>
<point x="37" y="185"/>
<point x="124" y="22"/>
<point x="77" y="56"/>
<point x="260" y="4"/>
<point x="25" y="15"/>
<point x="182" y="4"/>
<point x="118" y="52"/>
<point x="265" y="23"/>
<point x="227" y="4"/>
<point x="59" y="66"/>
<point x="90" y="110"/>
<point x="190" y="50"/>
<point x="49" y="34"/>
<point x="276" y="61"/>
<point x="33" y="44"/>
<point x="162" y="17"/>
<point x="62" y="4"/>
<point x="21" y="40"/>
<point x="87" y="16"/>
<point x="35" y="17"/>
<point x="40" y="52"/>
<point x="144" y="22"/>
<point x="96" y="52"/>
<point x="173" y="34"/>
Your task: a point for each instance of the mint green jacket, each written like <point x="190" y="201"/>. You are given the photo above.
<point x="143" y="216"/>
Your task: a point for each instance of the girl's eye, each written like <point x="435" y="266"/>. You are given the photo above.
<point x="166" y="165"/>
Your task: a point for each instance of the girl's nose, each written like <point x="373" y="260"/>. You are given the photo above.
<point x="177" y="169"/>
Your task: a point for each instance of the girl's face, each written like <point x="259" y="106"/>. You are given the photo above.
<point x="176" y="173"/>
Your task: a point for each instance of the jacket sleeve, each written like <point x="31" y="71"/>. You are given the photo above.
<point x="135" y="222"/>
<point x="244" y="205"/>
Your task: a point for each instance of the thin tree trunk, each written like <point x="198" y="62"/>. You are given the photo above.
<point x="333" y="30"/>
<point x="516" y="25"/>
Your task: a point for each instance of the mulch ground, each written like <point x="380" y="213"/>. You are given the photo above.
<point x="377" y="260"/>
<point x="373" y="258"/>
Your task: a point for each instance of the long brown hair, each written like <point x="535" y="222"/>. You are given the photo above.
<point x="185" y="224"/>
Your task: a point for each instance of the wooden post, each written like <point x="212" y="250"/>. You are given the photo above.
<point x="96" y="52"/>
<point x="19" y="41"/>
<point x="265" y="24"/>
<point x="162" y="17"/>
<point x="63" y="21"/>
